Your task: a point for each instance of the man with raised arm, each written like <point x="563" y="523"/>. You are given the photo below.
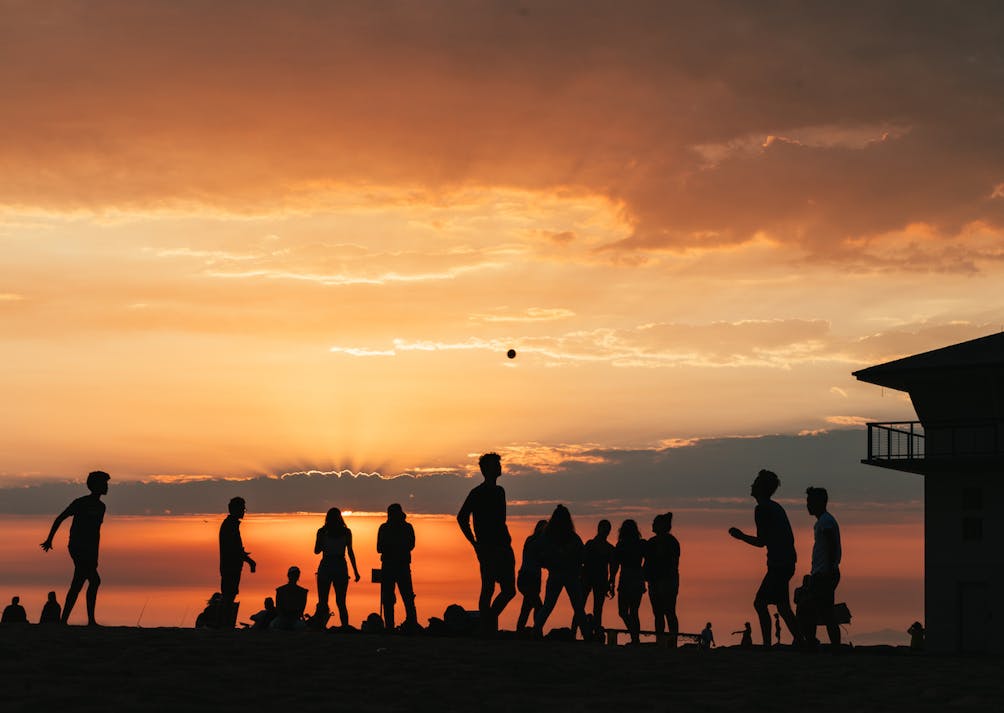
<point x="773" y="531"/>
<point x="492" y="543"/>
<point x="88" y="512"/>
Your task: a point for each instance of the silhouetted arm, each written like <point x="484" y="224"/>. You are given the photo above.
<point x="47" y="545"/>
<point x="755" y="541"/>
<point x="411" y="538"/>
<point x="352" y="554"/>
<point x="464" y="520"/>
<point x="830" y="539"/>
<point x="318" y="545"/>
<point x="615" y="565"/>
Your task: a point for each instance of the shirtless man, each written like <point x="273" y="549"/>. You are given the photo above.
<point x="88" y="512"/>
<point x="491" y="541"/>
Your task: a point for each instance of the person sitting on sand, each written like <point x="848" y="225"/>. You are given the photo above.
<point x="707" y="637"/>
<point x="395" y="541"/>
<point x="629" y="554"/>
<point x="561" y="555"/>
<point x="662" y="573"/>
<point x="529" y="578"/>
<point x="773" y="531"/>
<point x="746" y="641"/>
<point x="50" y="610"/>
<point x="290" y="601"/>
<point x="597" y="555"/>
<point x="14" y="613"/>
<point x="263" y="618"/>
<point x="485" y="504"/>
<point x="88" y="512"/>
<point x="916" y="632"/>
<point x="334" y="541"/>
<point x="232" y="559"/>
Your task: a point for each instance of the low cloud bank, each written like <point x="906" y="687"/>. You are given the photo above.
<point x="712" y="474"/>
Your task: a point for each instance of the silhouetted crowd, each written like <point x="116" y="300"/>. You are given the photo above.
<point x="598" y="569"/>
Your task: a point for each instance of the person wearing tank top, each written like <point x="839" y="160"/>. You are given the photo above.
<point x="334" y="541"/>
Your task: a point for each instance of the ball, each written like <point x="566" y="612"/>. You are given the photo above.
<point x="511" y="353"/>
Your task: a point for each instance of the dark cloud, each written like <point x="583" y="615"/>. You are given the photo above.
<point x="710" y="473"/>
<point x="238" y="103"/>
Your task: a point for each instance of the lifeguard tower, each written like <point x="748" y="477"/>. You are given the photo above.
<point x="958" y="446"/>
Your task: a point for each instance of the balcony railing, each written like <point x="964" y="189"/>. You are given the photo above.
<point x="896" y="440"/>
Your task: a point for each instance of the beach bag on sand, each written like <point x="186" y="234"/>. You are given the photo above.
<point x="842" y="613"/>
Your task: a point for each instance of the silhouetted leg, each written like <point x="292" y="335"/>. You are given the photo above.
<point x="341" y="589"/>
<point x="655" y="599"/>
<point x="387" y="597"/>
<point x="92" y="596"/>
<point x="577" y="597"/>
<point x="672" y="622"/>
<point x="323" y="589"/>
<point x="507" y="583"/>
<point x="407" y="590"/>
<point x="599" y="598"/>
<point x="551" y="592"/>
<point x="76" y="584"/>
<point x="784" y="609"/>
<point x="531" y="602"/>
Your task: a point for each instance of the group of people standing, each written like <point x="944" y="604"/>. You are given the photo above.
<point x="596" y="568"/>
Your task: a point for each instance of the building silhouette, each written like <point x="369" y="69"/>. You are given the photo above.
<point x="957" y="444"/>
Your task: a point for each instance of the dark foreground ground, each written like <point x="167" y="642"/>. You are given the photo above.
<point x="184" y="670"/>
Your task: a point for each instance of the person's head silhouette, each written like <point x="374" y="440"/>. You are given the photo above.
<point x="334" y="523"/>
<point x="237" y="507"/>
<point x="15" y="600"/>
<point x="97" y="482"/>
<point x="603" y="529"/>
<point x="540" y="527"/>
<point x="395" y="513"/>
<point x="491" y="466"/>
<point x="816" y="500"/>
<point x="765" y="485"/>
<point x="293" y="574"/>
<point x="52" y="596"/>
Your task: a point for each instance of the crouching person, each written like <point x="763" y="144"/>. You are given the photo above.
<point x="290" y="601"/>
<point x="395" y="541"/>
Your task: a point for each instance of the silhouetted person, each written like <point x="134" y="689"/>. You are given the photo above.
<point x="816" y="605"/>
<point x="88" y="512"/>
<point x="629" y="555"/>
<point x="597" y="556"/>
<point x="263" y="619"/>
<point x="561" y="555"/>
<point x="334" y="541"/>
<point x="232" y="559"/>
<point x="14" y="613"/>
<point x="916" y="632"/>
<point x="50" y="610"/>
<point x="528" y="580"/>
<point x="395" y="541"/>
<point x="662" y="573"/>
<point x="746" y="641"/>
<point x="773" y="531"/>
<point x="707" y="637"/>
<point x="492" y="543"/>
<point x="290" y="602"/>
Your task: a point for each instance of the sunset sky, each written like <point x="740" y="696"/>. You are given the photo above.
<point x="254" y="238"/>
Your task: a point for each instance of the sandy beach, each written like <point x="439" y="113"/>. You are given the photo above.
<point x="80" y="669"/>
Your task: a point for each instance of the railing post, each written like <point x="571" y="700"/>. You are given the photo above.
<point x="888" y="443"/>
<point x="909" y="443"/>
<point x="870" y="426"/>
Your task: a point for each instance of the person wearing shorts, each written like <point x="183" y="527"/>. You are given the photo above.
<point x="773" y="532"/>
<point x="486" y="506"/>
